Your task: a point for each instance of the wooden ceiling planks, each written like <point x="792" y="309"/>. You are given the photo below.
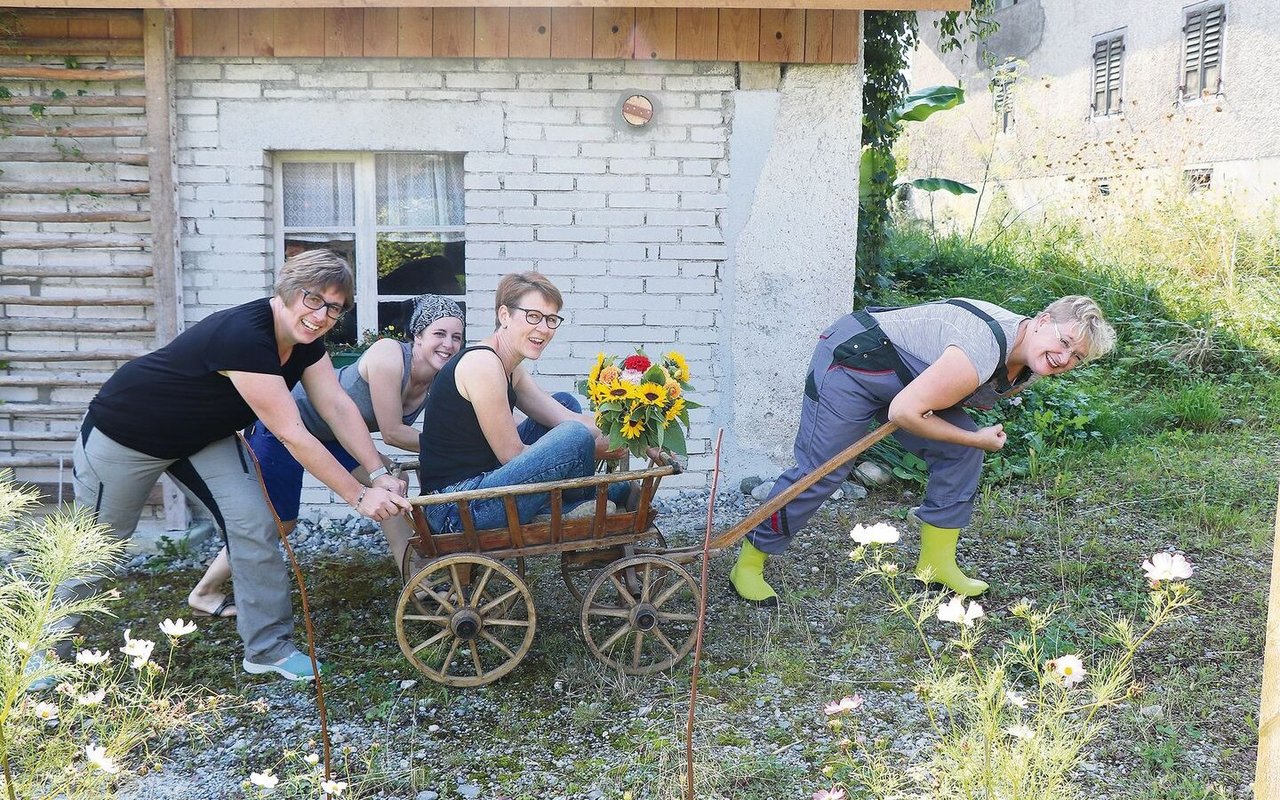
<point x="700" y="34"/>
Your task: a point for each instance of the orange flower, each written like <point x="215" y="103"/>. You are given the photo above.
<point x="609" y="374"/>
<point x="673" y="388"/>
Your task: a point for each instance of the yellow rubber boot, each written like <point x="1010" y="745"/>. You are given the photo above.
<point x="747" y="577"/>
<point x="938" y="555"/>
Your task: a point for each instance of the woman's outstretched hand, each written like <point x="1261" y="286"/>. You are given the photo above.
<point x="991" y="438"/>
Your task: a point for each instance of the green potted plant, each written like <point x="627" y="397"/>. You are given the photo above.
<point x="344" y="353"/>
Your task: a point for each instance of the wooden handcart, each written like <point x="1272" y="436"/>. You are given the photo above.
<point x="467" y="618"/>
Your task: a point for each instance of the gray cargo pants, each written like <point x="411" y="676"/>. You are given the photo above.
<point x="115" y="480"/>
<point x="844" y="393"/>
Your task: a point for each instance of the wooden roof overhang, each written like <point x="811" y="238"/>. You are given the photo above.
<point x="780" y="31"/>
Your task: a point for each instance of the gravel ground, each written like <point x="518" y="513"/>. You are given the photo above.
<point x="561" y="727"/>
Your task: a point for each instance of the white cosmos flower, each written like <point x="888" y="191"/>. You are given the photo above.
<point x="46" y="712"/>
<point x="137" y="649"/>
<point x="1167" y="567"/>
<point x="1015" y="699"/>
<point x="24" y="648"/>
<point x="880" y="533"/>
<point x="333" y="788"/>
<point x="264" y="779"/>
<point x="91" y="658"/>
<point x="1020" y="732"/>
<point x="98" y="757"/>
<point x="176" y="627"/>
<point x="1069" y="668"/>
<point x="312" y="759"/>
<point x="92" y="698"/>
<point x="954" y="611"/>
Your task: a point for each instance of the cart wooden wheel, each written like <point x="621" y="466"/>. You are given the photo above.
<point x="465" y="620"/>
<point x="580" y="567"/>
<point x="641" y="614"/>
<point x="412" y="562"/>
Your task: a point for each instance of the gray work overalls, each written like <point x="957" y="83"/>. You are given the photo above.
<point x="854" y="374"/>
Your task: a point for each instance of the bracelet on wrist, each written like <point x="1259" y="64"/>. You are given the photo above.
<point x="360" y="498"/>
<point x="378" y="473"/>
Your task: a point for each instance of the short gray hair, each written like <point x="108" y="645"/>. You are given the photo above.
<point x="1086" y="318"/>
<point x="315" y="271"/>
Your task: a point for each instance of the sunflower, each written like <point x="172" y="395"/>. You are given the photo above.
<point x="675" y="410"/>
<point x="609" y="374"/>
<point x="595" y="371"/>
<point x="681" y="366"/>
<point x="672" y="388"/>
<point x="599" y="393"/>
<point x="620" y="390"/>
<point x="632" y="428"/>
<point x="651" y="394"/>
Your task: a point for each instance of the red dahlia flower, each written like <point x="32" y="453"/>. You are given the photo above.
<point x="637" y="362"/>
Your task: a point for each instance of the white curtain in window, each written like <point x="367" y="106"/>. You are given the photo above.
<point x="419" y="190"/>
<point x="318" y="194"/>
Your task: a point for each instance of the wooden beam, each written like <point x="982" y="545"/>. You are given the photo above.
<point x="76" y="271"/>
<point x="69" y="242"/>
<point x="69" y="47"/>
<point x="158" y="33"/>
<point x="76" y="101"/>
<point x="28" y="324"/>
<point x="1266" y="781"/>
<point x="53" y="379"/>
<point x="74" y="216"/>
<point x="40" y="409"/>
<point x="79" y="355"/>
<point x="38" y="436"/>
<point x="847" y="5"/>
<point x="64" y="74"/>
<point x="65" y="132"/>
<point x="82" y="157"/>
<point x="88" y="187"/>
<point x="114" y="297"/>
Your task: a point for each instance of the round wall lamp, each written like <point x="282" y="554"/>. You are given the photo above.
<point x="636" y="110"/>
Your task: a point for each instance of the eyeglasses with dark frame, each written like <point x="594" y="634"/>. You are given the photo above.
<point x="315" y="302"/>
<point x="534" y="317"/>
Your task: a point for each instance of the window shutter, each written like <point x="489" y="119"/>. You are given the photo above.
<point x="1211" y="50"/>
<point x="1194" y="30"/>
<point x="1099" y="77"/>
<point x="1114" y="55"/>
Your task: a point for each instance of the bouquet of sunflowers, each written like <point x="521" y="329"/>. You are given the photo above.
<point x="639" y="403"/>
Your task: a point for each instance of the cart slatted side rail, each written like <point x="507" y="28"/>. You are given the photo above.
<point x="554" y="535"/>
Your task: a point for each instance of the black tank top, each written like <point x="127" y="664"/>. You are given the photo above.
<point x="452" y="446"/>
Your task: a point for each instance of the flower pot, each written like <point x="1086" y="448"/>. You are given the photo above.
<point x="343" y="358"/>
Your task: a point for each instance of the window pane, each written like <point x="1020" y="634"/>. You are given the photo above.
<point x="412" y="264"/>
<point x="419" y="190"/>
<point x="318" y="194"/>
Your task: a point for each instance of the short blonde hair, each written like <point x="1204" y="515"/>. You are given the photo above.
<point x="1085" y="317"/>
<point x="514" y="285"/>
<point x="316" y="270"/>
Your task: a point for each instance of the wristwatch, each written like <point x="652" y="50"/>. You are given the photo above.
<point x="377" y="473"/>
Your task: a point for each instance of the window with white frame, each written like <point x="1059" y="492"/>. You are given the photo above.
<point x="1108" y="61"/>
<point x="1202" y="50"/>
<point x="396" y="217"/>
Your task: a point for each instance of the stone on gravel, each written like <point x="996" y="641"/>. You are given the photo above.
<point x="761" y="492"/>
<point x="750" y="483"/>
<point x="854" y="491"/>
<point x="427" y="795"/>
<point x="872" y="474"/>
<point x="469" y="791"/>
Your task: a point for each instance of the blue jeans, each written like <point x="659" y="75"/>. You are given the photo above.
<point x="566" y="451"/>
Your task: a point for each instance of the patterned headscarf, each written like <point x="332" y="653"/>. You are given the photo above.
<point x="427" y="308"/>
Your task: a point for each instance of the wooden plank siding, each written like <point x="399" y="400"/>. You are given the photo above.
<point x="812" y="36"/>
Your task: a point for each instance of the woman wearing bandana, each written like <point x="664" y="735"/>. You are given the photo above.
<point x="389" y="385"/>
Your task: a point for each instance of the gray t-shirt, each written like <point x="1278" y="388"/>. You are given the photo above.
<point x="923" y="332"/>
<point x="358" y="389"/>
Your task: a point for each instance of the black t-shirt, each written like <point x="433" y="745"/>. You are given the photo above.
<point x="172" y="403"/>
<point x="452" y="446"/>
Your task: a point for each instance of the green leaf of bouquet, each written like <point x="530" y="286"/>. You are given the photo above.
<point x="656" y="374"/>
<point x="674" y="441"/>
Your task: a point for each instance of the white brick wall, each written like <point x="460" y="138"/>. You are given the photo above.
<point x="627" y="223"/>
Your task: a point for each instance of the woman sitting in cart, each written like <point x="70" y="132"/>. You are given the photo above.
<point x="917" y="366"/>
<point x="475" y="442"/>
<point x="389" y="385"/>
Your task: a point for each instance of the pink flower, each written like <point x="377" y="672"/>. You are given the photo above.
<point x="829" y="794"/>
<point x="1167" y="567"/>
<point x="843" y="705"/>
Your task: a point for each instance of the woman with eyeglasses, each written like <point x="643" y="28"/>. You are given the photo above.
<point x="177" y="411"/>
<point x="474" y="441"/>
<point x="918" y="366"/>
<point x="389" y="385"/>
